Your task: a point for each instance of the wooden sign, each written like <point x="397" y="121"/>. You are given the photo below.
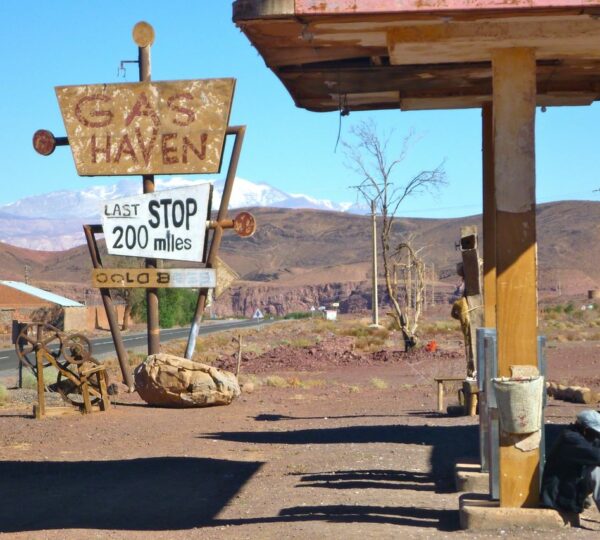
<point x="191" y="278"/>
<point x="174" y="127"/>
<point x="169" y="224"/>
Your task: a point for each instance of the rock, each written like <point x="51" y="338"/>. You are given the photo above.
<point x="171" y="381"/>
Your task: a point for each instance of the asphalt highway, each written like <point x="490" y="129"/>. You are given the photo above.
<point x="104" y="345"/>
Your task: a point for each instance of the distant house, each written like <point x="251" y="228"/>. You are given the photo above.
<point x="25" y="303"/>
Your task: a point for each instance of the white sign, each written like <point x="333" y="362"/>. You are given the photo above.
<point x="168" y="224"/>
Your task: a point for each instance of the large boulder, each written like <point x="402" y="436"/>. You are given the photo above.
<point x="171" y="381"/>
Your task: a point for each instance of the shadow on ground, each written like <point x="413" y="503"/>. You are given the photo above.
<point x="140" y="494"/>
<point x="281" y="417"/>
<point x="444" y="520"/>
<point x="449" y="443"/>
<point x="368" y="479"/>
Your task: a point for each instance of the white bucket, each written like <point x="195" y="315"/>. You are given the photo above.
<point x="519" y="403"/>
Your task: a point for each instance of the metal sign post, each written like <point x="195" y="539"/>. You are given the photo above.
<point x="143" y="35"/>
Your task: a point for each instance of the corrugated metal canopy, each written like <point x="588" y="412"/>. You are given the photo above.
<point x="40" y="293"/>
<point x="415" y="54"/>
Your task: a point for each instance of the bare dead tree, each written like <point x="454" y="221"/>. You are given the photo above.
<point x="408" y="262"/>
<point x="371" y="157"/>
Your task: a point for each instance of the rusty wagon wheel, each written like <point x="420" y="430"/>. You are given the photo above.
<point x="77" y="349"/>
<point x="38" y="337"/>
<point x="70" y="391"/>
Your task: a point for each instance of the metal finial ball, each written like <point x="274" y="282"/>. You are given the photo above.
<point x="143" y="34"/>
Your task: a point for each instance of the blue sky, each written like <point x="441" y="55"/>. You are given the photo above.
<point x="46" y="44"/>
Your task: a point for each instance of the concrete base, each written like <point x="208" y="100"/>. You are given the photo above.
<point x="468" y="478"/>
<point x="478" y="513"/>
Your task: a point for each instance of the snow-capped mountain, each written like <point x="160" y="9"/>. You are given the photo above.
<point x="53" y="220"/>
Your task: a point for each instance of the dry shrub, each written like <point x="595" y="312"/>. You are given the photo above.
<point x="3" y="395"/>
<point x="378" y="383"/>
<point x="276" y="381"/>
<point x="301" y="342"/>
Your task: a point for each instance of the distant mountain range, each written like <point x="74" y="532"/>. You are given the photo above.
<point x="300" y="257"/>
<point x="52" y="221"/>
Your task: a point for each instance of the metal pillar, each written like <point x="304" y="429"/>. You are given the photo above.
<point x="374" y="291"/>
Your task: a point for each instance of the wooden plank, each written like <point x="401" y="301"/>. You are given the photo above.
<point x="347" y="7"/>
<point x="51" y="412"/>
<point x="489" y="218"/>
<point x="475" y="41"/>
<point x="174" y="127"/>
<point x="117" y="278"/>
<point x="516" y="292"/>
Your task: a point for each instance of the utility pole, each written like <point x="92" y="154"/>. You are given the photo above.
<point x="374" y="292"/>
<point x="433" y="284"/>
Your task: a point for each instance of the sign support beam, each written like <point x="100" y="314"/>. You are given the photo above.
<point x="213" y="253"/>
<point x="514" y="92"/>
<point x="144" y="40"/>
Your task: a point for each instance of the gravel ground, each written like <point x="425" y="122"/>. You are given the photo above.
<point x="344" y="451"/>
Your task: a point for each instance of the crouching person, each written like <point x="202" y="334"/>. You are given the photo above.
<point x="572" y="471"/>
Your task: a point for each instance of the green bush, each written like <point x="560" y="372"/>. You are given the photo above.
<point x="299" y="315"/>
<point x="176" y="307"/>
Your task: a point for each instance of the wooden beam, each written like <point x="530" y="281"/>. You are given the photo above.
<point x="514" y="84"/>
<point x="552" y="37"/>
<point x="489" y="218"/>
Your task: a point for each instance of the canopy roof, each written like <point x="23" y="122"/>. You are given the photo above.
<point x="421" y="54"/>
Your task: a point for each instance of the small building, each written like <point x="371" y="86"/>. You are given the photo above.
<point x="26" y="303"/>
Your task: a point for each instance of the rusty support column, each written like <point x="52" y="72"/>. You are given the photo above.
<point x="489" y="219"/>
<point x="143" y="35"/>
<point x="211" y="260"/>
<point x="514" y="98"/>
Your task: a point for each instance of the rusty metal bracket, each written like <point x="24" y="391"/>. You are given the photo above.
<point x="244" y="224"/>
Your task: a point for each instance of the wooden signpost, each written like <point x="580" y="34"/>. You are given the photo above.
<point x="148" y="128"/>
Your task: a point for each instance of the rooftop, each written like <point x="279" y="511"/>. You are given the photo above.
<point x="40" y="293"/>
<point x="421" y="54"/>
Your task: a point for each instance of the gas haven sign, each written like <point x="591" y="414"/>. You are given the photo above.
<point x="169" y="224"/>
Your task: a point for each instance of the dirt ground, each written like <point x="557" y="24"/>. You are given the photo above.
<point x="336" y="446"/>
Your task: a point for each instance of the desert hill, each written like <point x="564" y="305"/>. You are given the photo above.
<point x="301" y="257"/>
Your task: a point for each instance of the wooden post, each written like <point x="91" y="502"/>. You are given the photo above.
<point x="440" y="399"/>
<point x="514" y="98"/>
<point x="40" y="410"/>
<point x="239" y="355"/>
<point x="472" y="278"/>
<point x="489" y="219"/>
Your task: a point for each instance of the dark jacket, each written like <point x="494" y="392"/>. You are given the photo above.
<point x="563" y="483"/>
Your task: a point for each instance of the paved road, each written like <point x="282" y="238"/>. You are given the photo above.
<point x="104" y="345"/>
